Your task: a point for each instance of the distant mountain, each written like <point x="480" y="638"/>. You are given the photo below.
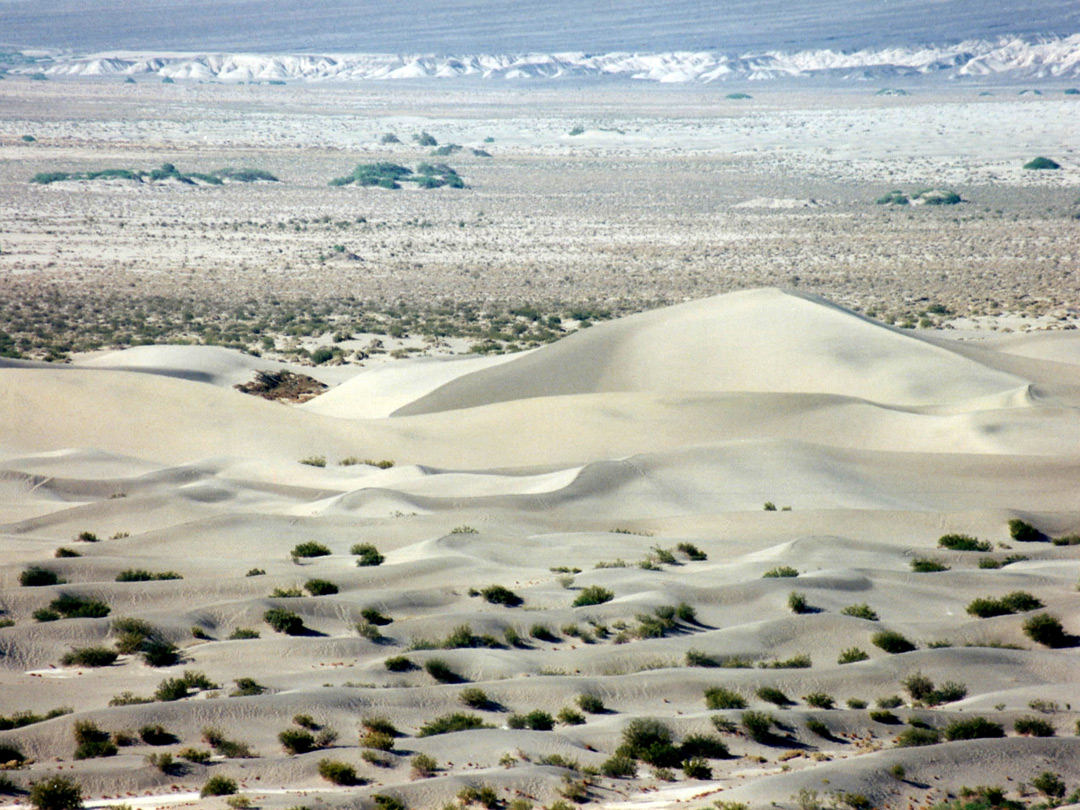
<point x="448" y="27"/>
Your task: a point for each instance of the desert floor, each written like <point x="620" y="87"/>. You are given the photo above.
<point x="757" y="361"/>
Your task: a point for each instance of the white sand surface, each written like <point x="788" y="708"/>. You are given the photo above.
<point x="547" y="473"/>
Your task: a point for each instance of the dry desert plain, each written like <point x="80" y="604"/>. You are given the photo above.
<point x="567" y="586"/>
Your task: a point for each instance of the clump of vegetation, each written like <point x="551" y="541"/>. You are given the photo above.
<point x="36" y="577"/>
<point x="780" y="571"/>
<point x="441" y="671"/>
<point x="284" y="621"/>
<point x="863" y="611"/>
<point x="172" y="689"/>
<point x="758" y="725"/>
<point x="368" y="555"/>
<point x="247" y="687"/>
<point x="892" y="642"/>
<point x="309" y="549"/>
<point x="338" y="773"/>
<point x="593" y="595"/>
<point x="925" y="565"/>
<point x="650" y="741"/>
<point x="320" y="587"/>
<point x="820" y="700"/>
<point x="692" y="552"/>
<point x="76" y="607"/>
<point x="718" y="697"/>
<point x="90" y="657"/>
<point x="1033" y="727"/>
<point x="219" y="785"/>
<point x="56" y="793"/>
<point x="140" y="575"/>
<point x="1045" y="629"/>
<point x="392" y="175"/>
<point x="1015" y="602"/>
<point x="536" y="720"/>
<point x="973" y="728"/>
<point x="773" y="695"/>
<point x="167" y="172"/>
<point x="797" y="603"/>
<point x="498" y="595"/>
<point x="1042" y="163"/>
<point x="963" y="542"/>
<point x="91" y="741"/>
<point x="923" y="196"/>
<point x="399" y="663"/>
<point x="423" y="766"/>
<point x="852" y="655"/>
<point x="450" y="723"/>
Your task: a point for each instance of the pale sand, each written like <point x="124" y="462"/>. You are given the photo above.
<point x="677" y="425"/>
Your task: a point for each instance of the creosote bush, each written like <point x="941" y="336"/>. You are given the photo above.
<point x="963" y="542"/>
<point x="90" y="657"/>
<point x="448" y="723"/>
<point x="863" y="611"/>
<point x="593" y="595"/>
<point x="219" y="785"/>
<point x="852" y="655"/>
<point x="368" y="555"/>
<point x="771" y="694"/>
<point x="892" y="642"/>
<point x="338" y="773"/>
<point x="1033" y="727"/>
<point x="56" y="793"/>
<point x="591" y="704"/>
<point x="973" y="728"/>
<point x="498" y="595"/>
<point x="925" y="565"/>
<point x="36" y="577"/>
<point x="284" y="621"/>
<point x="310" y="549"/>
<point x="758" y="725"/>
<point x="780" y="571"/>
<point x="718" y="697"/>
<point x="320" y="587"/>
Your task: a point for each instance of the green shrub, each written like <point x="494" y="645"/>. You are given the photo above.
<point x="91" y="742"/>
<point x="697" y="658"/>
<point x="449" y="723"/>
<point x="1033" y="727"/>
<point x="423" y="766"/>
<point x="284" y="621"/>
<point x="696" y="768"/>
<point x="374" y="617"/>
<point x="475" y="698"/>
<point x="90" y="657"/>
<point x="593" y="595"/>
<point x="310" y="549"/>
<point x="863" y="611"/>
<point x="892" y="642"/>
<point x="498" y="595"/>
<point x="1049" y="784"/>
<point x="76" y="607"/>
<point x="1023" y="532"/>
<point x="256" y="572"/>
<point x="56" y="793"/>
<point x="800" y="661"/>
<point x="320" y="587"/>
<point x="139" y="575"/>
<point x="243" y="633"/>
<point x="536" y="720"/>
<point x="65" y="552"/>
<point x="197" y="755"/>
<point x="718" y="697"/>
<point x="1067" y="540"/>
<point x="296" y="741"/>
<point x="156" y="734"/>
<point x="1042" y="163"/>
<point x="591" y="704"/>
<point x="963" y="542"/>
<point x="925" y="565"/>
<point x="441" y="671"/>
<point x="692" y="552"/>
<point x="780" y="571"/>
<point x="36" y="577"/>
<point x="384" y="801"/>
<point x="219" y="785"/>
<point x="704" y="746"/>
<point x="291" y="592"/>
<point x="542" y="633"/>
<point x="313" y="461"/>
<point x="758" y="725"/>
<point x="798" y="604"/>
<point x="159" y="653"/>
<point x="851" y="655"/>
<point x="569" y="717"/>
<point x="649" y="740"/>
<point x="247" y="687"/>
<point x="399" y="663"/>
<point x="338" y="773"/>
<point x="773" y="695"/>
<point x="819" y="728"/>
<point x="619" y="767"/>
<point x="884" y="716"/>
<point x="820" y="700"/>
<point x="973" y="728"/>
<point x="1042" y="628"/>
<point x="368" y="554"/>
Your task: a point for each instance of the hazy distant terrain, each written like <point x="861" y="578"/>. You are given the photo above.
<point x="465" y="26"/>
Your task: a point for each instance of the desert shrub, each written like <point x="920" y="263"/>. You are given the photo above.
<point x="1049" y="784"/>
<point x="863" y="611"/>
<point x="375" y="617"/>
<point x="696" y="768"/>
<point x="884" y="716"/>
<point x="1033" y="727"/>
<point x="399" y="663"/>
<point x="773" y="695"/>
<point x="320" y="587"/>
<point x="704" y="746"/>
<point x="247" y="687"/>
<point x="312" y="461"/>
<point x="692" y="552"/>
<point x="306" y="721"/>
<point x="140" y="575"/>
<point x="368" y="555"/>
<point x="891" y="642"/>
<point x="1067" y="540"/>
<point x="619" y="767"/>
<point x="569" y="717"/>
<point x="338" y="773"/>
<point x="1044" y="629"/>
<point x="851" y="655"/>
<point x="296" y="741"/>
<point x="855" y="703"/>
<point x="649" y="740"/>
<point x="292" y="592"/>
<point x="309" y="549"/>
<point x="1021" y="601"/>
<point x="685" y="613"/>
<point x="156" y="652"/>
<point x="820" y="700"/>
<point x="256" y="572"/>
<point x="916" y="737"/>
<point x="986" y="608"/>
<point x="56" y="793"/>
<point x="423" y="766"/>
<point x="541" y="632"/>
<point x="441" y="671"/>
<point x="798" y="604"/>
<point x="498" y="595"/>
<point x="449" y="723"/>
<point x="284" y="621"/>
<point x="925" y="565"/>
<point x="1042" y="163"/>
<point x="91" y="741"/>
<point x="197" y="755"/>
<point x="948" y="692"/>
<point x="1023" y="532"/>
<point x="918" y="686"/>
<point x="819" y="728"/>
<point x="156" y="734"/>
<point x="780" y="571"/>
<point x="591" y="704"/>
<point x="718" y="697"/>
<point x="890" y="702"/>
<point x="36" y="577"/>
<point x="76" y="607"/>
<point x="230" y="749"/>
<point x="536" y="720"/>
<point x="378" y="740"/>
<point x="697" y="658"/>
<point x="798" y="661"/>
<point x="62" y="552"/>
<point x="593" y="595"/>
<point x="243" y="633"/>
<point x="963" y="542"/>
<point x="758" y="725"/>
<point x="89" y="657"/>
<point x="475" y="698"/>
<point x="973" y="728"/>
<point x="219" y="785"/>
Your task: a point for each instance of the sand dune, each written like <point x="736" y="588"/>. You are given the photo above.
<point x="582" y="464"/>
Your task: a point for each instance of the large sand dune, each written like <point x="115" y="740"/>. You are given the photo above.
<point x="672" y="426"/>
